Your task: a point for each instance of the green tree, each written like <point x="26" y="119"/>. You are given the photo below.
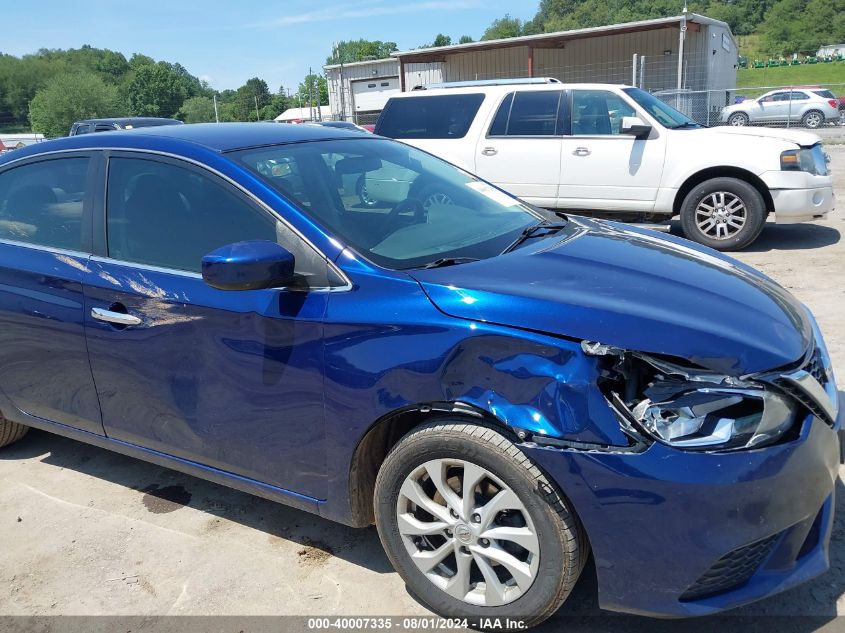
<point x="197" y="110"/>
<point x="504" y="27"/>
<point x="442" y="40"/>
<point x="69" y="98"/>
<point x="155" y="90"/>
<point x="465" y="39"/>
<point x="313" y="90"/>
<point x="359" y="50"/>
<point x="801" y="26"/>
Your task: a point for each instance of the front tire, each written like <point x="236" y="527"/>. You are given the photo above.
<point x="11" y="432"/>
<point x="738" y="119"/>
<point x="727" y="214"/>
<point x="509" y="548"/>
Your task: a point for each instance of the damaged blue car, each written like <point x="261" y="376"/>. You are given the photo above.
<point x="356" y="328"/>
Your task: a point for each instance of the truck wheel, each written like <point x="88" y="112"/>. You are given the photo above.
<point x="812" y="119"/>
<point x="473" y="526"/>
<point x="10" y="432"/>
<point x="363" y="196"/>
<point x="723" y="213"/>
<point x="738" y="118"/>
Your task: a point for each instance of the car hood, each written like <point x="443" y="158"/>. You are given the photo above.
<point x="798" y="137"/>
<point x="634" y="289"/>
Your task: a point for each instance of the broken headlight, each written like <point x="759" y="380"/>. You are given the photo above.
<point x="689" y="408"/>
<point x="707" y="417"/>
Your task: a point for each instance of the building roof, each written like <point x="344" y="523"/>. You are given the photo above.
<point x="363" y="63"/>
<point x="553" y="40"/>
<point x="304" y="113"/>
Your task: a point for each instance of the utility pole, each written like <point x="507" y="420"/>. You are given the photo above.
<point x="257" y="116"/>
<point x="681" y="37"/>
<point x="216" y="115"/>
<point x="341" y="88"/>
<point x="310" y="95"/>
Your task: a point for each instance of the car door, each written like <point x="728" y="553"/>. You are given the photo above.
<point x="773" y="107"/>
<point x="45" y="240"/>
<point x="230" y="380"/>
<point x="601" y="168"/>
<point x="521" y="150"/>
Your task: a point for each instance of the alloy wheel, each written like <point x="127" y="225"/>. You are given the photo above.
<point x="436" y="198"/>
<point x="721" y="215"/>
<point x="468" y="532"/>
<point x="812" y="120"/>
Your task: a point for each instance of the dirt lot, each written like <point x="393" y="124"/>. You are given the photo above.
<point x="87" y="532"/>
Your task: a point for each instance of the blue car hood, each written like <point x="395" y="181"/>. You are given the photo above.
<point x="634" y="289"/>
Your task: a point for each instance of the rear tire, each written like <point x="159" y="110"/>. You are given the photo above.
<point x="11" y="432"/>
<point x="534" y="507"/>
<point x="812" y="119"/>
<point x="727" y="214"/>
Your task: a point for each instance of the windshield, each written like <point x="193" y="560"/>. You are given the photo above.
<point x="395" y="205"/>
<point x="666" y="115"/>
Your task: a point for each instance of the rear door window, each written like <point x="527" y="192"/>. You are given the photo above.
<point x="441" y="116"/>
<point x="42" y="203"/>
<point x="535" y="113"/>
<point x="82" y="128"/>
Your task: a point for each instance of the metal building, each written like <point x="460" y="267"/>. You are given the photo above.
<point x="689" y="60"/>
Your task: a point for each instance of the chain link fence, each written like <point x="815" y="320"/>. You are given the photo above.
<point x="708" y="92"/>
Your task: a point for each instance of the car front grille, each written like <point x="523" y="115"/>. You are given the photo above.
<point x="731" y="571"/>
<point x="815" y="367"/>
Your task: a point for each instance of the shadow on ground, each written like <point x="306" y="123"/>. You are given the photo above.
<point x="162" y="490"/>
<point x="786" y="237"/>
<point x="811" y="607"/>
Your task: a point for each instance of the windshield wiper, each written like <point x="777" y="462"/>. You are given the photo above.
<point x="532" y="231"/>
<point x="687" y="124"/>
<point x="449" y="261"/>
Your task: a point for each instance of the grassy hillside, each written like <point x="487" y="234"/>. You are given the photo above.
<point x="804" y="75"/>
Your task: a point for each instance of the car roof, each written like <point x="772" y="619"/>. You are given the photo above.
<point x="218" y="137"/>
<point x="131" y="119"/>
<point x="504" y="89"/>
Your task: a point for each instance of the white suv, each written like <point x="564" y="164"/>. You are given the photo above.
<point x="616" y="151"/>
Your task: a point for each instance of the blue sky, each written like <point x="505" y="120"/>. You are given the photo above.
<point x="227" y="42"/>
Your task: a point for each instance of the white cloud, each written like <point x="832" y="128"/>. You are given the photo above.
<point x="367" y="10"/>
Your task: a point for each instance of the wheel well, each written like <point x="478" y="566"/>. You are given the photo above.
<point x="720" y="172"/>
<point x="383" y="436"/>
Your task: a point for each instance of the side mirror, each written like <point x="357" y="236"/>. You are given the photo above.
<point x="248" y="266"/>
<point x="635" y="126"/>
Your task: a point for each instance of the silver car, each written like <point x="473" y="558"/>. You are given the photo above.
<point x="811" y="107"/>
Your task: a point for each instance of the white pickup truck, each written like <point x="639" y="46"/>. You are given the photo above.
<point x="616" y="151"/>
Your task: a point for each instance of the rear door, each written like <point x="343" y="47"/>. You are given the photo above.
<point x="231" y="380"/>
<point x="603" y="169"/>
<point x="435" y="123"/>
<point x="520" y="152"/>
<point x="45" y="240"/>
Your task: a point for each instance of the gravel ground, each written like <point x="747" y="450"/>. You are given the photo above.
<point x="87" y="532"/>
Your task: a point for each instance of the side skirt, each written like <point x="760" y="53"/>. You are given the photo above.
<point x="222" y="477"/>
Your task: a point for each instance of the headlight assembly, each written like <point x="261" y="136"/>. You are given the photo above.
<point x="812" y="160"/>
<point x="716" y="418"/>
<point x="691" y="409"/>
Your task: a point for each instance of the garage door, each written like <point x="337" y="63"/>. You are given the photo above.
<point x="372" y="94"/>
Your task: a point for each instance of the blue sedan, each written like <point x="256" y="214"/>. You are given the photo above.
<point x="503" y="390"/>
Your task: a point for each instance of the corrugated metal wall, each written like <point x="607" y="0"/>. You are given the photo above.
<point x="494" y="64"/>
<point x="423" y="74"/>
<point x="602" y="59"/>
<point x="354" y="72"/>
